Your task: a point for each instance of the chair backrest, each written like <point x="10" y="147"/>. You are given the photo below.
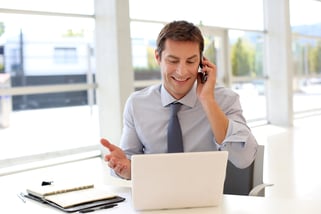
<point x="242" y="181"/>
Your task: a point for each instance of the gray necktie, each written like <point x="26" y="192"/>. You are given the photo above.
<point x="174" y="134"/>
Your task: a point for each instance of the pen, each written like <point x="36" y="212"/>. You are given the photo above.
<point x="97" y="208"/>
<point x="21" y="196"/>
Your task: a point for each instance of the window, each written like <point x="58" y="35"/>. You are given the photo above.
<point x="240" y="66"/>
<point x="247" y="69"/>
<point x="246" y="14"/>
<point x="306" y="50"/>
<point x="65" y="56"/>
<point x="48" y="56"/>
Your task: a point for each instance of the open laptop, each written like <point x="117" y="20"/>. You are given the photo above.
<point x="178" y="180"/>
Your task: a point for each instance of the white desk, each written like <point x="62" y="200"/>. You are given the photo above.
<point x="231" y="204"/>
<point x="90" y="169"/>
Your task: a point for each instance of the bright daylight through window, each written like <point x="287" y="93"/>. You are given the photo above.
<point x="48" y="65"/>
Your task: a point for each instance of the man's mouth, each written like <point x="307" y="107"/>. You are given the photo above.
<point x="180" y="79"/>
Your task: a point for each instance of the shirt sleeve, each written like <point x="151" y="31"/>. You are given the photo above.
<point x="129" y="141"/>
<point x="240" y="143"/>
<point x="239" y="140"/>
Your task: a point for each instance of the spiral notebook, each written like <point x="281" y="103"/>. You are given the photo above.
<point x="72" y="197"/>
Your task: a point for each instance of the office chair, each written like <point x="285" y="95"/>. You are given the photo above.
<point x="248" y="181"/>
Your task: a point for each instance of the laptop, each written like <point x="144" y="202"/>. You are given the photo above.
<point x="178" y="180"/>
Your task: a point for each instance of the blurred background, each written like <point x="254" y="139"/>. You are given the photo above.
<point x="48" y="60"/>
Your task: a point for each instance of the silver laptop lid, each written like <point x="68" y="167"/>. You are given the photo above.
<point x="178" y="180"/>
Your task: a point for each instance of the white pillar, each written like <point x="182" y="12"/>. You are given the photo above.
<point x="114" y="72"/>
<point x="279" y="62"/>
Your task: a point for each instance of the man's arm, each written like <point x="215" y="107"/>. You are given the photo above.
<point x="205" y="91"/>
<point x="218" y="120"/>
<point x="227" y="122"/>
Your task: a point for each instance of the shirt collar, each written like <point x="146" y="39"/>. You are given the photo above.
<point x="188" y="100"/>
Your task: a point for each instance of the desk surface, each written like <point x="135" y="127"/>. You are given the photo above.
<point x="231" y="204"/>
<point x="13" y="184"/>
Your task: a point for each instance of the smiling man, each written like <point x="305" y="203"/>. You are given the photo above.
<point x="210" y="117"/>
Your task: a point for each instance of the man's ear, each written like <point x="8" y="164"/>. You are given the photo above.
<point x="157" y="57"/>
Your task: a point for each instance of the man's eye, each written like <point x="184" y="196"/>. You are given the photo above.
<point x="190" y="62"/>
<point x="173" y="61"/>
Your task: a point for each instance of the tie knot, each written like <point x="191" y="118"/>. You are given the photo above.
<point x="175" y="107"/>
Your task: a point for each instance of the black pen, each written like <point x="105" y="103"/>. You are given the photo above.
<point x="21" y="196"/>
<point x="97" y="208"/>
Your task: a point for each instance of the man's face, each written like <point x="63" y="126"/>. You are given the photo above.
<point x="179" y="66"/>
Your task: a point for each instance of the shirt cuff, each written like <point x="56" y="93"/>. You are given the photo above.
<point x="235" y="133"/>
<point x="228" y="133"/>
<point x="220" y="146"/>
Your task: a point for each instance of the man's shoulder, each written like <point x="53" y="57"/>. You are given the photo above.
<point x="225" y="97"/>
<point x="223" y="91"/>
<point x="152" y="91"/>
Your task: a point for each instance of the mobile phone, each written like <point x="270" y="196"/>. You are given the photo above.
<point x="202" y="74"/>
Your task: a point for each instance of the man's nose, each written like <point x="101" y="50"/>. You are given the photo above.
<point x="181" y="69"/>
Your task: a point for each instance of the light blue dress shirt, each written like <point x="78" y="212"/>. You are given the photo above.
<point x="146" y="117"/>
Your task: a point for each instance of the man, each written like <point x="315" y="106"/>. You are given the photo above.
<point x="210" y="117"/>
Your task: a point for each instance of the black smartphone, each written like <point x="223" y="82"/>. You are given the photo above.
<point x="202" y="74"/>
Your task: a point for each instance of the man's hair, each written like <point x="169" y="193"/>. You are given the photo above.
<point x="180" y="31"/>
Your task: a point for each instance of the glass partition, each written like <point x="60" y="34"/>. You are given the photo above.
<point x="38" y="52"/>
<point x="146" y="69"/>
<point x="246" y="14"/>
<point x="86" y="7"/>
<point x="47" y="79"/>
<point x="306" y="50"/>
<point x="247" y="72"/>
<point x="307" y="74"/>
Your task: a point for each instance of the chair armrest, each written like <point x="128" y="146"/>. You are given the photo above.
<point x="257" y="189"/>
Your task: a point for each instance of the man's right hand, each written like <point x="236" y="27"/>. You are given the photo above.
<point x="117" y="160"/>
